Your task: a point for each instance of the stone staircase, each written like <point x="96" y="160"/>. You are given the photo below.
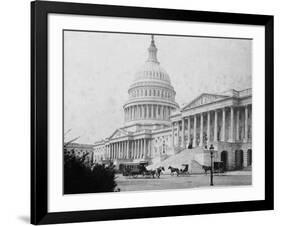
<point x="195" y="158"/>
<point x="178" y="149"/>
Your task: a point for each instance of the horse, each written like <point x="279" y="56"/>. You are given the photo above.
<point x="174" y="170"/>
<point x="159" y="171"/>
<point x="206" y="169"/>
<point x="185" y="170"/>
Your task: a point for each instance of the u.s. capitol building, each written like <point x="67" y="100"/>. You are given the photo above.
<point x="158" y="131"/>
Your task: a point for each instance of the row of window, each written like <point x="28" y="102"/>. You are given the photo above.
<point x="147" y="112"/>
<point x="152" y="74"/>
<point x="151" y="92"/>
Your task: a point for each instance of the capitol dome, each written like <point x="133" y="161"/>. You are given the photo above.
<point x="152" y="71"/>
<point x="151" y="95"/>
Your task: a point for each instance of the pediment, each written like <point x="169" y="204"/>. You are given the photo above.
<point x="204" y="98"/>
<point x="118" y="133"/>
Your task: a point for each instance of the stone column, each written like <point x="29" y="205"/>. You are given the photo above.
<point x="138" y="153"/>
<point x="108" y="151"/>
<point x="173" y="134"/>
<point x="141" y="112"/>
<point x="117" y="151"/>
<point x="132" y="149"/>
<point x="113" y="151"/>
<point x="147" y="111"/>
<point x="139" y="115"/>
<point x="135" y="149"/>
<point x="144" y="150"/>
<point x="223" y="125"/>
<point x="178" y="129"/>
<point x="208" y="127"/>
<point x="188" y="129"/>
<point x="194" y="131"/>
<point x="246" y="124"/>
<point x="182" y="127"/>
<point x="216" y="127"/>
<point x="201" y="129"/>
<point x="126" y="150"/>
<point x="231" y="124"/>
<point x="237" y="124"/>
<point x="141" y="150"/>
<point x="121" y="149"/>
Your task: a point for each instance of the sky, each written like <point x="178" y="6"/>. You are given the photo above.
<point x="99" y="68"/>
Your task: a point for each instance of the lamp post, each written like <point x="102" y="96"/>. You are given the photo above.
<point x="212" y="155"/>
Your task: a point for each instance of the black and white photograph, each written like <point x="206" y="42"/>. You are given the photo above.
<point x="144" y="111"/>
<point x="125" y="113"/>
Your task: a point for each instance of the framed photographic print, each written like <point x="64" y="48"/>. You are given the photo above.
<point x="145" y="112"/>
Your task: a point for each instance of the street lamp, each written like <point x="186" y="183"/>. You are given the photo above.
<point x="212" y="156"/>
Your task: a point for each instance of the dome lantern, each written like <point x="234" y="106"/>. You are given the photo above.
<point x="152" y="51"/>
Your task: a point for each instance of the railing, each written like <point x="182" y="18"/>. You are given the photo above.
<point x="246" y="92"/>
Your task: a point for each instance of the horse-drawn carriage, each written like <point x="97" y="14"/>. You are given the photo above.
<point x="134" y="170"/>
<point x="178" y="172"/>
<point x="218" y="167"/>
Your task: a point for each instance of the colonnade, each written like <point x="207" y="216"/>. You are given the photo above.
<point x="133" y="149"/>
<point x="228" y="124"/>
<point x="147" y="111"/>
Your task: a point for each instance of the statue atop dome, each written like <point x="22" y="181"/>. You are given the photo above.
<point x="152" y="51"/>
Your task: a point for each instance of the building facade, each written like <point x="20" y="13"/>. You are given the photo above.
<point x="156" y="128"/>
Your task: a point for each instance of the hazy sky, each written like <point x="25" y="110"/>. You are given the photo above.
<point x="99" y="68"/>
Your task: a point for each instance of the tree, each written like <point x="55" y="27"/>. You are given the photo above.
<point x="80" y="178"/>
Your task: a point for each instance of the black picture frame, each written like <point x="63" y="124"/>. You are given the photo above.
<point x="39" y="112"/>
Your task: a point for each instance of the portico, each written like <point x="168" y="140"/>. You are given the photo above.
<point x="210" y="119"/>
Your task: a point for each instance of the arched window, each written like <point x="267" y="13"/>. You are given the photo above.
<point x="154" y="92"/>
